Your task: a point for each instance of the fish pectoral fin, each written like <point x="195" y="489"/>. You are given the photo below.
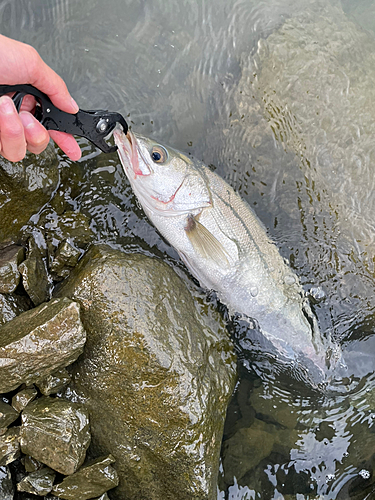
<point x="205" y="242"/>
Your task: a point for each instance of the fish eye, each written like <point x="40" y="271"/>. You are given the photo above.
<point x="159" y="154"/>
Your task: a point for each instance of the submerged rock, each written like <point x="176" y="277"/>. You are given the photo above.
<point x="6" y="484"/>
<point x="10" y="258"/>
<point x="10" y="446"/>
<point x="25" y="187"/>
<point x="71" y="227"/>
<point x="39" y="482"/>
<point x="156" y="375"/>
<point x="56" y="432"/>
<point x="39" y="341"/>
<point x="306" y="102"/>
<point x="92" y="480"/>
<point x="23" y="398"/>
<point x="243" y="451"/>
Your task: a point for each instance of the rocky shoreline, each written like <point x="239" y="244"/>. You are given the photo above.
<point x="115" y="374"/>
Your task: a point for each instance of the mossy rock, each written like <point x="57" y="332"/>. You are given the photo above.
<point x="156" y="375"/>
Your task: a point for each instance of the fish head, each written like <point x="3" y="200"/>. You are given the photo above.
<point x="164" y="180"/>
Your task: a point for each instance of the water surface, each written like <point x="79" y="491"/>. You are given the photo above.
<point x="278" y="98"/>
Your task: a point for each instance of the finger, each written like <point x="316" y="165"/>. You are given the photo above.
<point x="67" y="143"/>
<point x="37" y="137"/>
<point x="24" y="65"/>
<point x="28" y="103"/>
<point x="49" y="82"/>
<point x="13" y="143"/>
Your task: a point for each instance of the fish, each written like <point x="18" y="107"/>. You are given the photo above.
<point x="225" y="246"/>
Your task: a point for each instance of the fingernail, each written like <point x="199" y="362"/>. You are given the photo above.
<point x="75" y="105"/>
<point x="6" y="105"/>
<point x="27" y="120"/>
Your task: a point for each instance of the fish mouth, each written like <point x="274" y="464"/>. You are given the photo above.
<point x="127" y="150"/>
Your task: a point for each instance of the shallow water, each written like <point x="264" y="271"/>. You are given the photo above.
<point x="278" y="98"/>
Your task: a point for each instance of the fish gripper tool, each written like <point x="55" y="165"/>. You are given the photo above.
<point x="94" y="125"/>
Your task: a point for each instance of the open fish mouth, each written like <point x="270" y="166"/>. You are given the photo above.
<point x="127" y="150"/>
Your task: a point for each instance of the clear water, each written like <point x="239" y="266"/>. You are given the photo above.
<point x="278" y="97"/>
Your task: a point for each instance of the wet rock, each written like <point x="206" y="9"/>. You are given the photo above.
<point x="10" y="446"/>
<point x="34" y="273"/>
<point x="246" y="449"/>
<point x="56" y="432"/>
<point x="7" y="414"/>
<point x="274" y="408"/>
<point x="25" y="187"/>
<point x="6" y="484"/>
<point x="92" y="480"/>
<point x="54" y="382"/>
<point x="156" y="375"/>
<point x="11" y="306"/>
<point x="65" y="260"/>
<point x="73" y="227"/>
<point x="102" y="497"/>
<point x="243" y="451"/>
<point x="39" y="482"/>
<point x="10" y="258"/>
<point x="23" y="398"/>
<point x="39" y="341"/>
<point x="31" y="465"/>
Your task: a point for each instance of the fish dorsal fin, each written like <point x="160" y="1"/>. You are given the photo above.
<point x="205" y="242"/>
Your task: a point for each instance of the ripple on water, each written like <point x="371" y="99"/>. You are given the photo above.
<point x="189" y="73"/>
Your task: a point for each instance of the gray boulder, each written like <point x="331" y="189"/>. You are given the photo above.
<point x="39" y="341"/>
<point x="156" y="375"/>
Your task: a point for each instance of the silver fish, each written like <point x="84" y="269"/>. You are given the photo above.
<point x="224" y="245"/>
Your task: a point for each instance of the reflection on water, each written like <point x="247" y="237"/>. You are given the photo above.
<point x="278" y="97"/>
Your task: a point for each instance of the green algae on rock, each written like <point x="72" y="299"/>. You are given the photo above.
<point x="156" y="375"/>
<point x="25" y="187"/>
<point x="39" y="341"/>
<point x="56" y="432"/>
<point x="93" y="479"/>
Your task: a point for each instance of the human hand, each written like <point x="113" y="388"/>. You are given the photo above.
<point x="21" y="63"/>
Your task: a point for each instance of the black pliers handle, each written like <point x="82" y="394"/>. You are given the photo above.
<point x="93" y="125"/>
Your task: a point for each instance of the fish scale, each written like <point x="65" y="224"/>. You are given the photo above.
<point x="226" y="247"/>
